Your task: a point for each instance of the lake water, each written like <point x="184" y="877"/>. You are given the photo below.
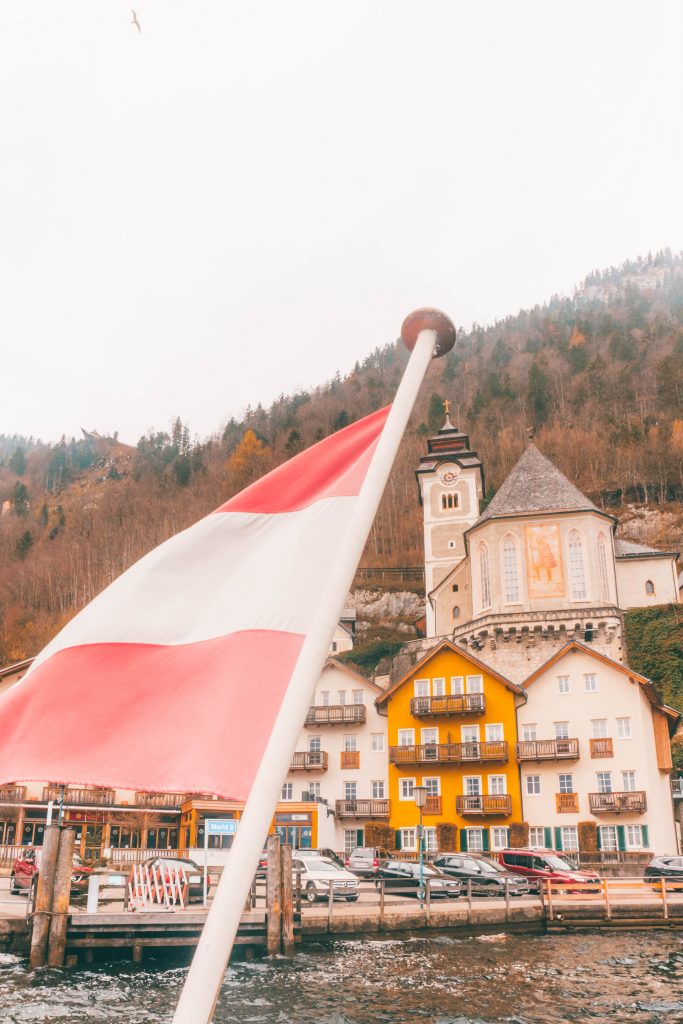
<point x="500" y="979"/>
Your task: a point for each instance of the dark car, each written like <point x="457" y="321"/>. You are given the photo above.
<point x="26" y="867"/>
<point x="668" y="866"/>
<point x="165" y="867"/>
<point x="486" y="877"/>
<point x="539" y="866"/>
<point x="365" y="860"/>
<point x="324" y="852"/>
<point x="402" y="878"/>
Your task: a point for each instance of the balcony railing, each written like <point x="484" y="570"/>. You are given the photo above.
<point x="432" y="805"/>
<point x="171" y="801"/>
<point x="498" y="804"/>
<point x="677" y="788"/>
<point x="456" y="704"/>
<point x="12" y="794"/>
<point x="602" y="747"/>
<point x="349" y="759"/>
<point x="309" y="761"/>
<point x="92" y="797"/>
<point x="566" y="803"/>
<point x="450" y="753"/>
<point x="548" y="750"/>
<point x="335" y="714"/>
<point x="634" y="802"/>
<point x="361" y="808"/>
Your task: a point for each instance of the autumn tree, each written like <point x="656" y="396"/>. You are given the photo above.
<point x="250" y="460"/>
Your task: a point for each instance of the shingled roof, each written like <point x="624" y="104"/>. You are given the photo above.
<point x="535" y="485"/>
<point x="627" y="549"/>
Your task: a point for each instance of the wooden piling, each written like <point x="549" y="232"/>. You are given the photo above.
<point x="60" y="901"/>
<point x="287" y="901"/>
<point x="273" y="896"/>
<point x="44" y="895"/>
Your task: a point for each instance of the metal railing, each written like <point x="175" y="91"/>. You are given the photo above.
<point x="456" y="704"/>
<point x="450" y="753"/>
<point x="548" y="750"/>
<point x="309" y="760"/>
<point x="335" y="714"/>
<point x="479" y="804"/>
<point x="633" y="802"/>
<point x="362" y="808"/>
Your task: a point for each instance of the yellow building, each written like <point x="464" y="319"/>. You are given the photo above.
<point x="452" y="728"/>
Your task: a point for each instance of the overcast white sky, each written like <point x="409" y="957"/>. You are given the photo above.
<point x="246" y="196"/>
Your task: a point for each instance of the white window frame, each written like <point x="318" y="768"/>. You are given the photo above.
<point x="379" y="789"/>
<point x="324" y="698"/>
<point x="604" y="779"/>
<point x="429" y="837"/>
<point x="493" y="781"/>
<point x="409" y="839"/>
<point x="500" y="837"/>
<point x="472" y="845"/>
<point x="377" y="744"/>
<point x="638" y="843"/>
<point x="439" y="686"/>
<point x="403" y="784"/>
<point x="351" y="839"/>
<point x="475" y="684"/>
<point x="314" y="789"/>
<point x="358" y="697"/>
<point x="560" y="783"/>
<point x="530" y="732"/>
<point x="457" y="685"/>
<point x="350" y="790"/>
<point x="629" y="783"/>
<point x="429" y="735"/>
<point x="561" y="730"/>
<point x="287" y="792"/>
<point x="428" y="782"/>
<point x="578" y="583"/>
<point x="341" y="698"/>
<point x="564" y="685"/>
<point x="485" y="575"/>
<point x="406" y="737"/>
<point x="590" y="682"/>
<point x="494" y="727"/>
<point x="510" y="560"/>
<point x="536" y="780"/>
<point x="613" y="844"/>
<point x="534" y="831"/>
<point x="314" y="744"/>
<point x="421" y="688"/>
<point x="350" y="743"/>
<point x="478" y="779"/>
<point x="602" y="565"/>
<point x="624" y="731"/>
<point x="475" y="729"/>
<point x="599" y="729"/>
<point x="570" y="838"/>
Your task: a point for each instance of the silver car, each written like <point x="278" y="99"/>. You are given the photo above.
<point x="366" y="860"/>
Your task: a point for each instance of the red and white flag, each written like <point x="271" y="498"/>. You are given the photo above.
<point x="172" y="678"/>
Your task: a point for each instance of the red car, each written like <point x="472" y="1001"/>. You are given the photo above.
<point x="26" y="867"/>
<point x="541" y="865"/>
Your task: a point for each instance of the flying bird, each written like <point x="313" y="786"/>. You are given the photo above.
<point x="134" y="21"/>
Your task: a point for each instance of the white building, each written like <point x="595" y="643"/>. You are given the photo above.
<point x="594" y="746"/>
<point x="341" y="758"/>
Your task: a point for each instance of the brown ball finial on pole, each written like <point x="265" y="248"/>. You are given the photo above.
<point x="429" y="320"/>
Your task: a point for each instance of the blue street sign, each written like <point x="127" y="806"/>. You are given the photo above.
<point x="221" y="826"/>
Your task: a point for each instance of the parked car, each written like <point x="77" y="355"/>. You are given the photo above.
<point x="262" y="864"/>
<point x="323" y="852"/>
<point x="669" y="866"/>
<point x="487" y="877"/>
<point x="402" y="878"/>
<point x="164" y="866"/>
<point x="365" y="860"/>
<point x="318" y="873"/>
<point x="541" y="865"/>
<point x="26" y="868"/>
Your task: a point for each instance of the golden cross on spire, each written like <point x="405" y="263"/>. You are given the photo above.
<point x="447" y="407"/>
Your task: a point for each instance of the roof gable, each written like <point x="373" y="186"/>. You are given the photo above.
<point x="352" y="674"/>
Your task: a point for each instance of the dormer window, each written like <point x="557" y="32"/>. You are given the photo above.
<point x="649" y="587"/>
<point x="449" y="500"/>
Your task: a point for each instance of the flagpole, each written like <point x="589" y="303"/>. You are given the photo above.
<point x="428" y="333"/>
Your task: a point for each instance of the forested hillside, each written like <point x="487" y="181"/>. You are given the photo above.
<point x="599" y="376"/>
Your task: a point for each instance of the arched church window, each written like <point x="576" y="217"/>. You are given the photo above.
<point x="602" y="564"/>
<point x="456" y="612"/>
<point x="485" y="576"/>
<point x="577" y="573"/>
<point x="449" y="501"/>
<point x="649" y="587"/>
<point x="510" y="570"/>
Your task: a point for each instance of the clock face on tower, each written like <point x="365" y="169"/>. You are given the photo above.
<point x="448" y="473"/>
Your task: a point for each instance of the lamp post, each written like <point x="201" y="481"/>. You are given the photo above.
<point x="420" y="793"/>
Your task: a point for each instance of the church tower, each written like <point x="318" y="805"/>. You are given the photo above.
<point x="451" y="483"/>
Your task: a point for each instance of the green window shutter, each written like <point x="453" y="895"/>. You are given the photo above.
<point x="558" y="838"/>
<point x="360" y="837"/>
<point x="621" y="837"/>
<point x="548" y="838"/>
<point x="485" y="844"/>
<point x="599" y="838"/>
<point x="398" y="839"/>
<point x="646" y="837"/>
<point x="463" y="840"/>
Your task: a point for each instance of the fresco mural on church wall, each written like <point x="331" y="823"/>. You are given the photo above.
<point x="545" y="572"/>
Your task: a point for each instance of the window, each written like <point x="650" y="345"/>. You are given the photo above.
<point x="649" y="587"/>
<point x="439" y="687"/>
<point x="604" y="782"/>
<point x="577" y="576"/>
<point x="377" y="742"/>
<point x="469" y="733"/>
<point x="497" y="785"/>
<point x="499" y="838"/>
<point x="634" y="837"/>
<point x="350" y="742"/>
<point x="563" y="684"/>
<point x="432" y="785"/>
<point x="457" y="685"/>
<point x="529" y="733"/>
<point x="455" y="588"/>
<point x="566" y="783"/>
<point x="536" y="837"/>
<point x="456" y="612"/>
<point x="287" y="791"/>
<point x="430" y="735"/>
<point x="333" y="646"/>
<point x="407" y="789"/>
<point x="510" y="570"/>
<point x="378" y="789"/>
<point x="406" y="737"/>
<point x="485" y="576"/>
<point x="602" y="565"/>
<point x="475" y="684"/>
<point x="561" y="730"/>
<point x="599" y="727"/>
<point x="533" y="785"/>
<point x="475" y="840"/>
<point x="421" y="687"/>
<point x="570" y="837"/>
<point x="472" y="785"/>
<point x="449" y="501"/>
<point x="314" y="744"/>
<point x="358" y="697"/>
<point x="341" y="697"/>
<point x="590" y="682"/>
<point x="353" y="837"/>
<point x="430" y="843"/>
<point x="120" y="838"/>
<point x="624" y="728"/>
<point x="608" y="838"/>
<point x="325" y="698"/>
<point x="350" y="790"/>
<point x="314" y="789"/>
<point x="494" y="732"/>
<point x="408" y="839"/>
<point x="628" y="781"/>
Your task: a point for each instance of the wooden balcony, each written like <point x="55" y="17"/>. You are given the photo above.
<point x="567" y="803"/>
<point x="602" y="747"/>
<point x="87" y="797"/>
<point x="450" y="753"/>
<point x="432" y="805"/>
<point x="361" y="808"/>
<point x="349" y="759"/>
<point x="12" y="794"/>
<point x="457" y="704"/>
<point x="482" y="805"/>
<point x="309" y="761"/>
<point x="548" y="750"/>
<point x="634" y="802"/>
<point x="335" y="714"/>
<point x="168" y="801"/>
